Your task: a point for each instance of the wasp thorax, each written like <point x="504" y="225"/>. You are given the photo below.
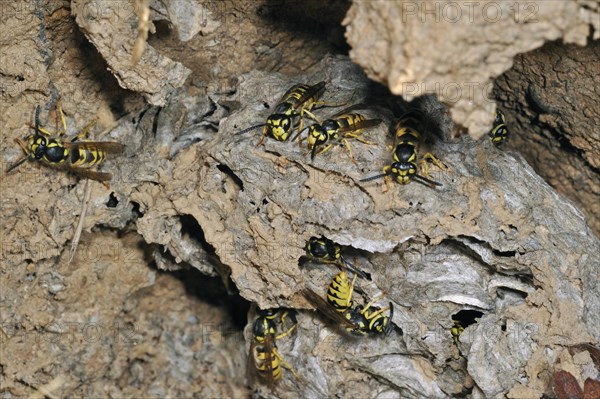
<point x="263" y="326"/>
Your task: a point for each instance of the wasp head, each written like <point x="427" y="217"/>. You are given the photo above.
<point x="38" y="145"/>
<point x="279" y="126"/>
<point x="403" y="171"/>
<point x="317" y="135"/>
<point x="499" y="118"/>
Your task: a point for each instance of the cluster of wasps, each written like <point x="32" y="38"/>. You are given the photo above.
<point x="337" y="304"/>
<point x="79" y="155"/>
<point x="301" y="100"/>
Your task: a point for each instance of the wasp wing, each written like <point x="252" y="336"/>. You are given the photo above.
<point x="349" y="110"/>
<point x="252" y="366"/>
<point x="309" y="93"/>
<point x="267" y="344"/>
<point x="90" y="174"/>
<point x="260" y="362"/>
<point x="112" y="147"/>
<point x="360" y="125"/>
<point x="82" y="172"/>
<point x="318" y="302"/>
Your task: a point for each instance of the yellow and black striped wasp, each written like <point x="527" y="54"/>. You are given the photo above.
<point x="339" y="128"/>
<point x="463" y="319"/>
<point x="264" y="356"/>
<point x="406" y="151"/>
<point x="499" y="132"/>
<point x="456" y="330"/>
<point x="324" y="250"/>
<point x="358" y="320"/>
<point x="296" y="102"/>
<point x="72" y="155"/>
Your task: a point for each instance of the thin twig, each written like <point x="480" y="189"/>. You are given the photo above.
<point x="84" y="206"/>
<point x="143" y="11"/>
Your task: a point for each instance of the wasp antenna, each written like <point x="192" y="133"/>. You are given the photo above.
<point x="298" y="134"/>
<point x="391" y="316"/>
<point x="426" y="181"/>
<point x="373" y="177"/>
<point x="19" y="162"/>
<point x="37" y="117"/>
<point x="251" y="128"/>
<point x="353" y="269"/>
<point x="313" y="152"/>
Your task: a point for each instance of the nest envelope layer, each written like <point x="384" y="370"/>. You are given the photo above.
<point x="494" y="238"/>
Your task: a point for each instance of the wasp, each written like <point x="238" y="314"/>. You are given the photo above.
<point x="75" y="156"/>
<point x="296" y="102"/>
<point x="405" y="155"/>
<point x="499" y="132"/>
<point x="267" y="361"/>
<point x="340" y="127"/>
<point x="324" y="250"/>
<point x="358" y="320"/>
<point x="456" y="330"/>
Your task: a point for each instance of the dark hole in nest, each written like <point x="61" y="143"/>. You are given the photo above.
<point x="136" y="210"/>
<point x="112" y="201"/>
<point x="504" y="253"/>
<point x="466" y="317"/>
<point x="227" y="170"/>
<point x="191" y="228"/>
<point x="504" y="292"/>
<point x="212" y="290"/>
<point x="163" y="30"/>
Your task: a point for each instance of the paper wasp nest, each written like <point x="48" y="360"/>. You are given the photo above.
<point x="494" y="239"/>
<point x="494" y="244"/>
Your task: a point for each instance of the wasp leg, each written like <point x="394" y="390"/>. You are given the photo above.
<point x="22" y="159"/>
<point x="292" y="317"/>
<point x="262" y="138"/>
<point x="41" y="130"/>
<point x="386" y="178"/>
<point x="62" y="117"/>
<point x="288" y="332"/>
<point x="22" y="145"/>
<point x="433" y="159"/>
<point x="368" y="305"/>
<point x="349" y="151"/>
<point x="310" y="115"/>
<point x="284" y="363"/>
<point x="85" y="130"/>
<point x="325" y="149"/>
<point x="356" y="136"/>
